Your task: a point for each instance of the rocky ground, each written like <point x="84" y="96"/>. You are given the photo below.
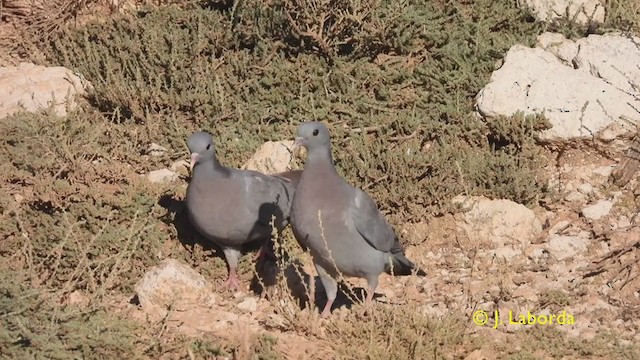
<point x="576" y="253"/>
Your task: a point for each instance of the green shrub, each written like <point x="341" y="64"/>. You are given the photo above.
<point x="409" y="69"/>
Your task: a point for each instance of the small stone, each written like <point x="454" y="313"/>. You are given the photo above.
<point x="623" y="223"/>
<point x="180" y="166"/>
<point x="162" y="175"/>
<point x="503" y="222"/>
<point x="604" y="171"/>
<point x="156" y="150"/>
<point x="172" y="284"/>
<point x="597" y="210"/>
<point x="519" y="280"/>
<point x="494" y="291"/>
<point x="564" y="247"/>
<point x="435" y="310"/>
<point x="30" y="87"/>
<point x="559" y="227"/>
<point x="248" y="305"/>
<point x="272" y="157"/>
<point x="575" y="196"/>
<point x="585" y="188"/>
<point x="535" y="252"/>
<point x="77" y="298"/>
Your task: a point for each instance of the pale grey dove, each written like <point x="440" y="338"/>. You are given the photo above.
<point x="339" y="224"/>
<point x="233" y="207"/>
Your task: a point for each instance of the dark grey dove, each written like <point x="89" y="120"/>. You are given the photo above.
<point x="339" y="224"/>
<point x="234" y="207"/>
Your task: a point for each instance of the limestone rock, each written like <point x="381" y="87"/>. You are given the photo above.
<point x="162" y="175"/>
<point x="602" y="56"/>
<point x="577" y="104"/>
<point x="580" y="11"/>
<point x="173" y="284"/>
<point x="180" y="166"/>
<point x="563" y="247"/>
<point x="597" y="210"/>
<point x="272" y="157"/>
<point x="502" y="221"/>
<point x="248" y="305"/>
<point x="32" y="87"/>
<point x="156" y="150"/>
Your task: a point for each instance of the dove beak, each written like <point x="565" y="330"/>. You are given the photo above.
<point x="194" y="160"/>
<point x="299" y="142"/>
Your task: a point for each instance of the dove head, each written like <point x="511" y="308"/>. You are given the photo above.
<point x="314" y="136"/>
<point x="201" y="146"/>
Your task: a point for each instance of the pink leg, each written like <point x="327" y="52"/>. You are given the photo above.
<point x="369" y="300"/>
<point x="264" y="251"/>
<point x="326" y="312"/>
<point x="232" y="281"/>
<point x="260" y="253"/>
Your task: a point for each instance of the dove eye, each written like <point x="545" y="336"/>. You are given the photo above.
<point x="208" y="146"/>
<point x="315" y="132"/>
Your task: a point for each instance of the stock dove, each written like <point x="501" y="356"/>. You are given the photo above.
<point x="234" y="207"/>
<point x="339" y="224"/>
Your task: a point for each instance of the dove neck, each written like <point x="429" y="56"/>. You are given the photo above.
<point x="209" y="166"/>
<point x="320" y="158"/>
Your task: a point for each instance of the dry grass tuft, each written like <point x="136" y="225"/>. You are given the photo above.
<point x="396" y="83"/>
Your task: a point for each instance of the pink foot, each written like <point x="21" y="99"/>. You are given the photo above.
<point x="327" y="309"/>
<point x="232" y="281"/>
<point x="264" y="251"/>
<point x="260" y="253"/>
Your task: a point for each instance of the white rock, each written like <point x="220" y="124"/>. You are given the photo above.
<point x="563" y="247"/>
<point x="612" y="57"/>
<point x="585" y="188"/>
<point x="623" y="223"/>
<point x="32" y="87"/>
<point x="162" y="175"/>
<point x="180" y="166"/>
<point x="603" y="56"/>
<point x="559" y="227"/>
<point x="248" y="305"/>
<point x="501" y="221"/>
<point x="563" y="48"/>
<point x="272" y="157"/>
<point x="580" y="11"/>
<point x="436" y="310"/>
<point x="535" y="252"/>
<point x="156" y="150"/>
<point x="507" y="253"/>
<point x="597" y="210"/>
<point x="604" y="171"/>
<point x="174" y="284"/>
<point x="575" y="196"/>
<point x="577" y="104"/>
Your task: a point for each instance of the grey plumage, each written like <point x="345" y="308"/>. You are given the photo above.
<point x="233" y="207"/>
<point x="339" y="224"/>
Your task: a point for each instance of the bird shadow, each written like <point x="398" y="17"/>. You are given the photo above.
<point x="189" y="237"/>
<point x="267" y="273"/>
<point x="298" y="283"/>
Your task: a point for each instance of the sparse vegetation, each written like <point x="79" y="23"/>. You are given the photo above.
<point x="396" y="82"/>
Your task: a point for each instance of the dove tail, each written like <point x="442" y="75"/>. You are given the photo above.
<point x="399" y="264"/>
